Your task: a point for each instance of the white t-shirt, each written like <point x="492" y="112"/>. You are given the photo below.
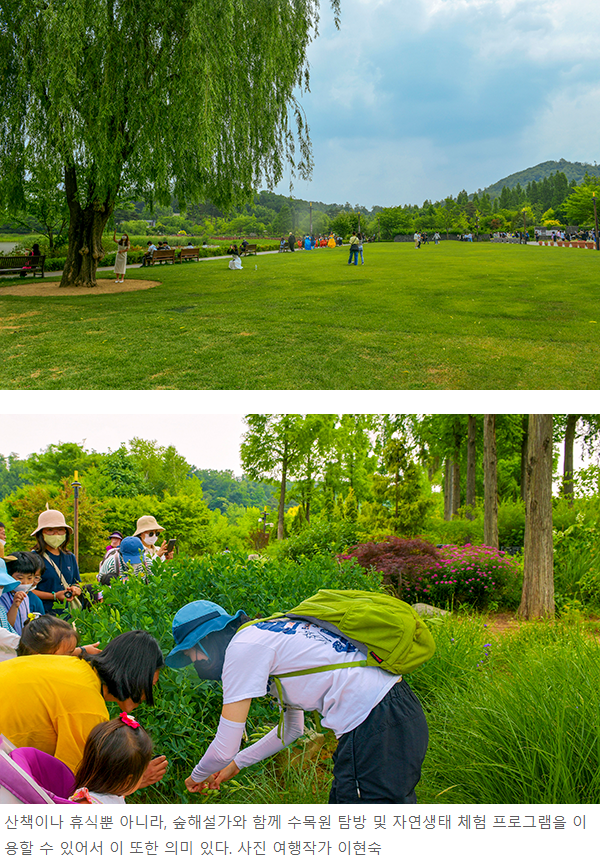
<point x="344" y="697"/>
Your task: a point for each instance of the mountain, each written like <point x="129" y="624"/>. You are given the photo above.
<point x="572" y="170"/>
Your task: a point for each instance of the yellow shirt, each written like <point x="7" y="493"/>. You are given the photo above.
<point x="51" y="703"/>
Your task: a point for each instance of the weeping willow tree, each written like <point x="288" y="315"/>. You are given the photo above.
<point x="190" y="98"/>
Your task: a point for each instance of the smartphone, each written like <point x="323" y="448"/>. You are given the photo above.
<point x="171" y="545"/>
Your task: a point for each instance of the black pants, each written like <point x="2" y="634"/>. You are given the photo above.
<point x="380" y="760"/>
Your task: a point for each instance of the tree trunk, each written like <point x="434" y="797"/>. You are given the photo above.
<point x="524" y="444"/>
<point x="448" y="465"/>
<point x="537" y="599"/>
<point x="281" y="511"/>
<point x="455" y="484"/>
<point x="86" y="226"/>
<point x="567" y="483"/>
<point x="471" y="464"/>
<point x="490" y="482"/>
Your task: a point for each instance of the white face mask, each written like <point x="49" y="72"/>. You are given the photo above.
<point x="25" y="588"/>
<point x="149" y="538"/>
<point x="54" y="540"/>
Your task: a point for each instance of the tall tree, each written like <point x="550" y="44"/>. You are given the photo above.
<point x="471" y="466"/>
<point x="537" y="599"/>
<point x="567" y="483"/>
<point x="490" y="481"/>
<point x="273" y="446"/>
<point x="186" y="98"/>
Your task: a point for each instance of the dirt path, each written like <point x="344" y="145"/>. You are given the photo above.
<point x="52" y="289"/>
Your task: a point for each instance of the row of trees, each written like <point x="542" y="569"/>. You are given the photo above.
<point x="375" y="462"/>
<point x="349" y="475"/>
<point x="553" y="201"/>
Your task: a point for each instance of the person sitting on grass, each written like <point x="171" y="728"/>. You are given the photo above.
<point x="379" y="722"/>
<point x="48" y="634"/>
<point x="115" y="757"/>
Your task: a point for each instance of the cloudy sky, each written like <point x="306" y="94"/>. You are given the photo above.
<point x="418" y="99"/>
<point x="207" y="428"/>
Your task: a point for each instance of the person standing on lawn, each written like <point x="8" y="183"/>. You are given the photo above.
<point x="121" y="258"/>
<point x="379" y="722"/>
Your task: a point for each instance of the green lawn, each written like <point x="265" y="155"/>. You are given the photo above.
<point x="456" y="316"/>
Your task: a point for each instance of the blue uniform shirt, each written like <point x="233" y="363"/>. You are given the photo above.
<point x="51" y="583"/>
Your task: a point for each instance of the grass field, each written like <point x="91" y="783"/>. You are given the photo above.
<point x="456" y="316"/>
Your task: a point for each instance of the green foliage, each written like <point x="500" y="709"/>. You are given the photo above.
<point x="394" y="220"/>
<point x="184" y="517"/>
<point x="185" y="716"/>
<point x="321" y="538"/>
<point x="23" y="506"/>
<point x="579" y="206"/>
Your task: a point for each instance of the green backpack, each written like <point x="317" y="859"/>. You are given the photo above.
<point x="387" y="630"/>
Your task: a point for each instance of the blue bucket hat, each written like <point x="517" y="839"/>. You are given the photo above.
<point x="194" y="622"/>
<point x="132" y="550"/>
<point x="7" y="582"/>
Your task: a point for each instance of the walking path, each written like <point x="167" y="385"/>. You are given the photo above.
<point x="58" y="273"/>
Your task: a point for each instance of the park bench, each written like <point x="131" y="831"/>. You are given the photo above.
<point x="189" y="254"/>
<point x="250" y="250"/>
<point x="163" y="256"/>
<point x="18" y="263"/>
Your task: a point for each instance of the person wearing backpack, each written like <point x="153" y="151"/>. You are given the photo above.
<point x="378" y="721"/>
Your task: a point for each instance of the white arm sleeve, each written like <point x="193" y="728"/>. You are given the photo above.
<point x="293" y="727"/>
<point x="221" y="751"/>
<point x="9" y="641"/>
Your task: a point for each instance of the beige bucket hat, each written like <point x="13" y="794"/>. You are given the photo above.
<point x="51" y="518"/>
<point x="146" y="523"/>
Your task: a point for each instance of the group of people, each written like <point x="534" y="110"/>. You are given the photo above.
<point x="46" y="580"/>
<point x="55" y="691"/>
<point x="421" y="238"/>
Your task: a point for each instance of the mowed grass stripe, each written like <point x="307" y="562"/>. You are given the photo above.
<point x="456" y="316"/>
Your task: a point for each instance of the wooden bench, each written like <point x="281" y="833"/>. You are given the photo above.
<point x="249" y="250"/>
<point x="18" y="263"/>
<point x="163" y="256"/>
<point x="188" y="254"/>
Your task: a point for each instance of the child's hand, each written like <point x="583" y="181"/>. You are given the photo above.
<point x="18" y="598"/>
<point x="91" y="649"/>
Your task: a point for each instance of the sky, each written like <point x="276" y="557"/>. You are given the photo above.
<point x="207" y="428"/>
<point x="417" y="99"/>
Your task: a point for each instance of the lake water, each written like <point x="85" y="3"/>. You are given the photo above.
<point x="7" y="247"/>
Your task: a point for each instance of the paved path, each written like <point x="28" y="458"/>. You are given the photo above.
<point x="58" y="273"/>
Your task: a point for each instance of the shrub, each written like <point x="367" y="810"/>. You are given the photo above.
<point x="405" y="564"/>
<point x="186" y="713"/>
<point x="318" y="539"/>
<point x="471" y="574"/>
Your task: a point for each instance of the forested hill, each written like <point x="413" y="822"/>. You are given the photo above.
<point x="572" y="170"/>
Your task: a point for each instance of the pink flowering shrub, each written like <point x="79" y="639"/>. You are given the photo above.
<point x="471" y="573"/>
<point x="420" y="572"/>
